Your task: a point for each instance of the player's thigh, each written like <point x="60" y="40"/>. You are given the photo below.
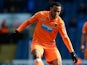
<point x="37" y="50"/>
<point x="53" y="55"/>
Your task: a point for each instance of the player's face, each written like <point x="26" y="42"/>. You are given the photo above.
<point x="55" y="11"/>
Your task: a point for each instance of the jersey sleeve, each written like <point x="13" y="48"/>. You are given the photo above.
<point x="63" y="33"/>
<point x="84" y="29"/>
<point x="29" y="21"/>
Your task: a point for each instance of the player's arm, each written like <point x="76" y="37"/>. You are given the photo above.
<point x="83" y="37"/>
<point x="82" y="42"/>
<point x="65" y="38"/>
<point x="28" y="22"/>
<point x="67" y="42"/>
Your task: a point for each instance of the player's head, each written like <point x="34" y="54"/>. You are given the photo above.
<point x="55" y="9"/>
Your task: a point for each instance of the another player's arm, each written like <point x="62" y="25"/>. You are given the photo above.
<point x="83" y="37"/>
<point x="82" y="42"/>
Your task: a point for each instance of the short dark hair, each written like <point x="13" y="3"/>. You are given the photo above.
<point x="55" y="3"/>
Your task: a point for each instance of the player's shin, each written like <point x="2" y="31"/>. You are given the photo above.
<point x="38" y="61"/>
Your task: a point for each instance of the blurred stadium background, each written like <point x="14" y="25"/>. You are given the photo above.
<point x="14" y="12"/>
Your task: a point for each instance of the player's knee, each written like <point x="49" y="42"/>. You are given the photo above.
<point x="57" y="62"/>
<point x="35" y="54"/>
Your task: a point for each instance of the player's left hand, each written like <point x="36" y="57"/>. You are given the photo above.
<point x="74" y="57"/>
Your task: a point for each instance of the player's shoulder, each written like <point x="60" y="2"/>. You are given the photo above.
<point x="60" y="20"/>
<point x="43" y="12"/>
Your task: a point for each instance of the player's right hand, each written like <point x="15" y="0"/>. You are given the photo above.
<point x="13" y="35"/>
<point x="82" y="48"/>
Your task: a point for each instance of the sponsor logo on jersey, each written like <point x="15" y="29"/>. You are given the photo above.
<point x="47" y="28"/>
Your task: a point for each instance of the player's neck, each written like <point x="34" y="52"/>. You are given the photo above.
<point x="51" y="17"/>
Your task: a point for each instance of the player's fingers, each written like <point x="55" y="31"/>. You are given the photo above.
<point x="75" y="60"/>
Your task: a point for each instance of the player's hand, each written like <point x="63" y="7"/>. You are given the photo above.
<point x="13" y="35"/>
<point x="74" y="57"/>
<point x="82" y="48"/>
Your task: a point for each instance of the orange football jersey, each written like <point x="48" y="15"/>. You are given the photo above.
<point x="47" y="28"/>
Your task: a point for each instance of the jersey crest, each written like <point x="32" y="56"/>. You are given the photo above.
<point x="43" y="19"/>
